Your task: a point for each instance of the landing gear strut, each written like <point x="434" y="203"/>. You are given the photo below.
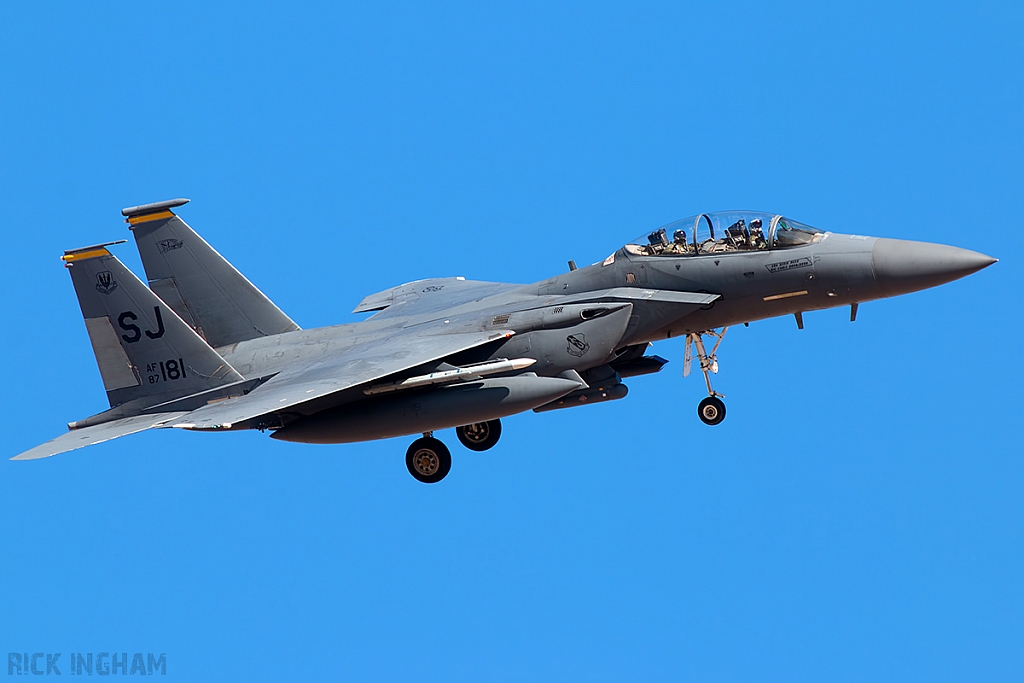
<point x="479" y="436"/>
<point x="712" y="409"/>
<point x="428" y="460"/>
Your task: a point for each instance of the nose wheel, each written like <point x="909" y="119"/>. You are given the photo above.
<point x="428" y="460"/>
<point x="712" y="409"/>
<point x="479" y="436"/>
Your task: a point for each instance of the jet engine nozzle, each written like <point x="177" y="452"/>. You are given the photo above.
<point x="902" y="266"/>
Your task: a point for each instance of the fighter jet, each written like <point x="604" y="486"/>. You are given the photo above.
<point x="202" y="349"/>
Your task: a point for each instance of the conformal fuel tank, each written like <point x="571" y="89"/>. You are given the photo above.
<point x="418" y="411"/>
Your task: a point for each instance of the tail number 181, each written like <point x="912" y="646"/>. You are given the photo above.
<point x="170" y="370"/>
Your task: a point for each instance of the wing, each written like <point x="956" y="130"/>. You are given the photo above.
<point x="87" y="436"/>
<point x="361" y="364"/>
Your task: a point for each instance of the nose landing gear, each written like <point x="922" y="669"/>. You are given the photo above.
<point x="712" y="409"/>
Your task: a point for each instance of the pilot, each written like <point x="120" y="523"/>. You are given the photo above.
<point x="757" y="240"/>
<point x="679" y="245"/>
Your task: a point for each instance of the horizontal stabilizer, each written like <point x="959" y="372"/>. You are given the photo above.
<point x="87" y="436"/>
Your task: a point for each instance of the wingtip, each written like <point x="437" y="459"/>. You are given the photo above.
<point x="27" y="455"/>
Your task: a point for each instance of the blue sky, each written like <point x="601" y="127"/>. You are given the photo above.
<point x="858" y="516"/>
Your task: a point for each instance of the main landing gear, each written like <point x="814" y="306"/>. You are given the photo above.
<point x="479" y="436"/>
<point x="712" y="409"/>
<point x="429" y="460"/>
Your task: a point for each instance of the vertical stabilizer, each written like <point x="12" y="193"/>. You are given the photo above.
<point x="198" y="283"/>
<point x="145" y="352"/>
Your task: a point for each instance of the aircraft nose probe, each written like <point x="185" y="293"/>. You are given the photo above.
<point x="901" y="266"/>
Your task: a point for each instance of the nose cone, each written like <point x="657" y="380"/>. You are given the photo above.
<point x="901" y="266"/>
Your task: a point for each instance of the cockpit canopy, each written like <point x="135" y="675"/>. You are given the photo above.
<point x="724" y="231"/>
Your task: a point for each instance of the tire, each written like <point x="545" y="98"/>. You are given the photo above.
<point x="711" y="410"/>
<point x="428" y="460"/>
<point x="480" y="436"/>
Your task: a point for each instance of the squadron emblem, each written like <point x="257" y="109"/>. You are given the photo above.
<point x="105" y="282"/>
<point x="578" y="345"/>
<point x="169" y="245"/>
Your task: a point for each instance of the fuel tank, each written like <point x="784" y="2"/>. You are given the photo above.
<point x="418" y="411"/>
<point x="584" y="397"/>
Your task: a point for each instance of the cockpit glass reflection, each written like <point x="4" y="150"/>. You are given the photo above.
<point x="789" y="233"/>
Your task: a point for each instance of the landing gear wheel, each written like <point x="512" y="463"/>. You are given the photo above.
<point x="711" y="410"/>
<point x="479" y="436"/>
<point x="428" y="460"/>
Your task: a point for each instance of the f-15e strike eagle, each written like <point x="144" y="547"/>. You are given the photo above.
<point x="203" y="349"/>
